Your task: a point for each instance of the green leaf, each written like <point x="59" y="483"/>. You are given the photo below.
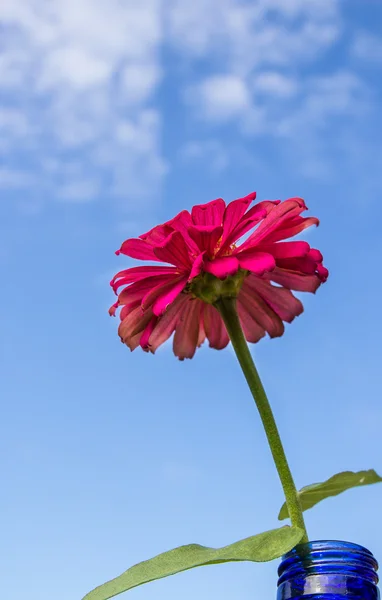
<point x="258" y="548"/>
<point x="312" y="494"/>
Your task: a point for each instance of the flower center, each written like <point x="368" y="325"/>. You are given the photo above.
<point x="227" y="252"/>
<point x="209" y="288"/>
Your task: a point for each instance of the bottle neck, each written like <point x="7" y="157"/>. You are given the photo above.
<point x="328" y="570"/>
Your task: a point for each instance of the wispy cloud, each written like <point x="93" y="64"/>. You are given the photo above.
<point x="80" y="117"/>
<point x="77" y="82"/>
<point x="272" y="83"/>
<point x="309" y="116"/>
<point x="256" y="73"/>
<point x="219" y="97"/>
<point x="246" y="35"/>
<point x="218" y="155"/>
<point x="339" y="94"/>
<point x="15" y="178"/>
<point x="368" y="46"/>
<point x="254" y="44"/>
<point x="268" y="74"/>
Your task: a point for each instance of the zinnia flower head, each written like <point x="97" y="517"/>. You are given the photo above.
<point x="206" y="258"/>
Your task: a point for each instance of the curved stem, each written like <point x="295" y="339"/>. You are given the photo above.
<point x="227" y="309"/>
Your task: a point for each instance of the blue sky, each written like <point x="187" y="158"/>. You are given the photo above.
<point x="113" y="117"/>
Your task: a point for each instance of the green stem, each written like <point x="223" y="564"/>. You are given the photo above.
<point x="227" y="308"/>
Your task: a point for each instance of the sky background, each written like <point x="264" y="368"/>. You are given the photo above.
<point x="115" y="115"/>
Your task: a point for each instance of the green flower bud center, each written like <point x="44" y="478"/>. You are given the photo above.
<point x="209" y="288"/>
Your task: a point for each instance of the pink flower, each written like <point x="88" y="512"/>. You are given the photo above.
<point x="204" y="260"/>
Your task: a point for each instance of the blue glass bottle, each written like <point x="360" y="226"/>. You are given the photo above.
<point x="328" y="570"/>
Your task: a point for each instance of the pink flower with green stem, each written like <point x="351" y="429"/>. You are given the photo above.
<point x="229" y="275"/>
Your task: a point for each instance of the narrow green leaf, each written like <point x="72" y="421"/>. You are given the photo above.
<point x="258" y="548"/>
<point x="312" y="494"/>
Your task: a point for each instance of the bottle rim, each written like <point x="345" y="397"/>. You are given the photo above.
<point x="328" y="556"/>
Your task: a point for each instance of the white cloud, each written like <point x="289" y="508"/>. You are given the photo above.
<point x="14" y="122"/>
<point x="285" y="106"/>
<point x="368" y="47"/>
<point x="80" y="190"/>
<point x="220" y="97"/>
<point x="134" y="155"/>
<point x="215" y="156"/>
<point x="79" y="81"/>
<point x="73" y="71"/>
<point x="318" y="9"/>
<point x="138" y="81"/>
<point x="263" y="45"/>
<point x="75" y="67"/>
<point x="275" y="84"/>
<point x="339" y="94"/>
<point x="321" y="100"/>
<point x="12" y="178"/>
<point x="246" y="35"/>
<point x="328" y="120"/>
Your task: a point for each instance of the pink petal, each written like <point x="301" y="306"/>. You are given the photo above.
<point x="166" y="323"/>
<point x="124" y="281"/>
<point x="259" y="310"/>
<point x="222" y="267"/>
<point x="144" y="339"/>
<point x="127" y="308"/>
<point x="268" y="205"/>
<point x="202" y="333"/>
<point x="277" y="216"/>
<point x="137" y="290"/>
<point x="187" y="329"/>
<point x="256" y="262"/>
<point x="234" y="212"/>
<point x="169" y="296"/>
<point x="315" y="255"/>
<point x="300" y="265"/>
<point x="174" y="251"/>
<point x="134" y="323"/>
<point x="209" y="214"/>
<point x="214" y="327"/>
<point x="292" y="227"/>
<point x="136" y="248"/>
<point x="157" y="234"/>
<point x="197" y="266"/>
<point x="206" y="237"/>
<point x="159" y="290"/>
<point x="264" y="207"/>
<point x="252" y="330"/>
<point x="322" y="273"/>
<point x="294" y="281"/>
<point x="136" y="273"/>
<point x="133" y="342"/>
<point x="285" y="249"/>
<point x="280" y="300"/>
<point x="113" y="309"/>
<point x="182" y="222"/>
<point x="247" y="222"/>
